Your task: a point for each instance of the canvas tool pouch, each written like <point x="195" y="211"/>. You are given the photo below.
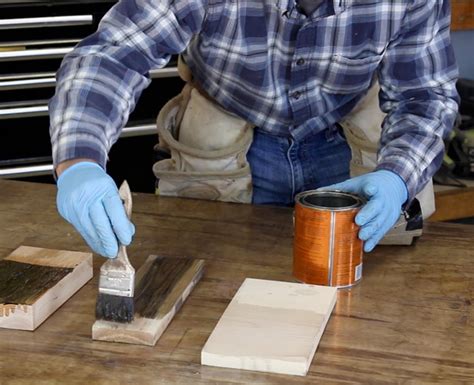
<point x="208" y="148"/>
<point x="362" y="129"/>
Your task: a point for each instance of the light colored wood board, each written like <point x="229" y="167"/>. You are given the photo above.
<point x="30" y="316"/>
<point x="271" y="326"/>
<point x="48" y="257"/>
<point x="144" y="330"/>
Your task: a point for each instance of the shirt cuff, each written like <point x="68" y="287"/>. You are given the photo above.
<point x="406" y="172"/>
<point x="78" y="145"/>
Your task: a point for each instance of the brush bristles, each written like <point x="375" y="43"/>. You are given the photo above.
<point x="114" y="308"/>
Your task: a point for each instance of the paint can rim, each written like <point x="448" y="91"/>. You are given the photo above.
<point x="307" y="200"/>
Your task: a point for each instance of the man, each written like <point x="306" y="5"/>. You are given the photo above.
<point x="293" y="70"/>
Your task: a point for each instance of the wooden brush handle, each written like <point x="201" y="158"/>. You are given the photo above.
<point x="121" y="259"/>
<point x="126" y="196"/>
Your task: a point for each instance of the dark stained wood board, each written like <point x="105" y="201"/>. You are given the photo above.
<point x="24" y="283"/>
<point x="35" y="282"/>
<point x="162" y="285"/>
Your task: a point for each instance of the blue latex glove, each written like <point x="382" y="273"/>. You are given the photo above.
<point x="385" y="192"/>
<point x="88" y="199"/>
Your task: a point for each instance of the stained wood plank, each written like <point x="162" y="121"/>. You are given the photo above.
<point x="24" y="283"/>
<point x="162" y="285"/>
<point x="35" y="282"/>
<point x="271" y="326"/>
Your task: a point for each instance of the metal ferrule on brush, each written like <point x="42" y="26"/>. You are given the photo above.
<point x="117" y="278"/>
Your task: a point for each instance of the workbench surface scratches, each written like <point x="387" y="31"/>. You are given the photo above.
<point x="162" y="285"/>
<point x="35" y="282"/>
<point x="271" y="326"/>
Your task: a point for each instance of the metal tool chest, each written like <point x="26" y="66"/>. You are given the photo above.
<point x="34" y="37"/>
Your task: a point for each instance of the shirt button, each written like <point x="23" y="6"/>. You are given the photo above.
<point x="300" y="62"/>
<point x="296" y="95"/>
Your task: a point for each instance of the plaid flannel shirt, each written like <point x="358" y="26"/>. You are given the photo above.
<point x="287" y="73"/>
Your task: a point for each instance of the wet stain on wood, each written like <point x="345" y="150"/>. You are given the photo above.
<point x="162" y="284"/>
<point x="154" y="287"/>
<point x="23" y="283"/>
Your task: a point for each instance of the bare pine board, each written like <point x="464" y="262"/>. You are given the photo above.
<point x="35" y="282"/>
<point x="161" y="287"/>
<point x="271" y="326"/>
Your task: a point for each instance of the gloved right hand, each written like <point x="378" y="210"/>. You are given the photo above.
<point x="385" y="192"/>
<point x="89" y="199"/>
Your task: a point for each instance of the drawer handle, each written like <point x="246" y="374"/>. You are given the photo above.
<point x="27" y="84"/>
<point x="11" y="83"/>
<point x="146" y="129"/>
<point x="24" y="76"/>
<point x="47" y="169"/>
<point x="53" y="21"/>
<point x="47" y="53"/>
<point x="15" y="45"/>
<point x="167" y="72"/>
<point x="23" y="112"/>
<point x="26" y="171"/>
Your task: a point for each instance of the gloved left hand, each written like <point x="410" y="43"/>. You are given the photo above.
<point x="385" y="192"/>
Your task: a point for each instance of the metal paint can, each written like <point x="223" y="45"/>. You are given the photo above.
<point x="326" y="248"/>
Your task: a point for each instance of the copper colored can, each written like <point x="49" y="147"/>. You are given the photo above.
<point x="326" y="249"/>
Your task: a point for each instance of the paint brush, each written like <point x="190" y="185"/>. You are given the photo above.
<point x="117" y="279"/>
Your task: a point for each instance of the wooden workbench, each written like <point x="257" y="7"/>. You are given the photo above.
<point x="409" y="321"/>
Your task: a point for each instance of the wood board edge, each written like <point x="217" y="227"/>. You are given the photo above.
<point x="321" y="331"/>
<point x="294" y="368"/>
<point x="17" y="317"/>
<point x="48" y="257"/>
<point x="60" y="293"/>
<point x="29" y="317"/>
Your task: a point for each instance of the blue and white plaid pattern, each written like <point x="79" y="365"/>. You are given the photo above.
<point x="263" y="60"/>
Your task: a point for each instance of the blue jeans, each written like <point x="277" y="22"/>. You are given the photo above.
<point x="282" y="167"/>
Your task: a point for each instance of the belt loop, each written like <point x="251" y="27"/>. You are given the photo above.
<point x="329" y="135"/>
<point x="331" y="132"/>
